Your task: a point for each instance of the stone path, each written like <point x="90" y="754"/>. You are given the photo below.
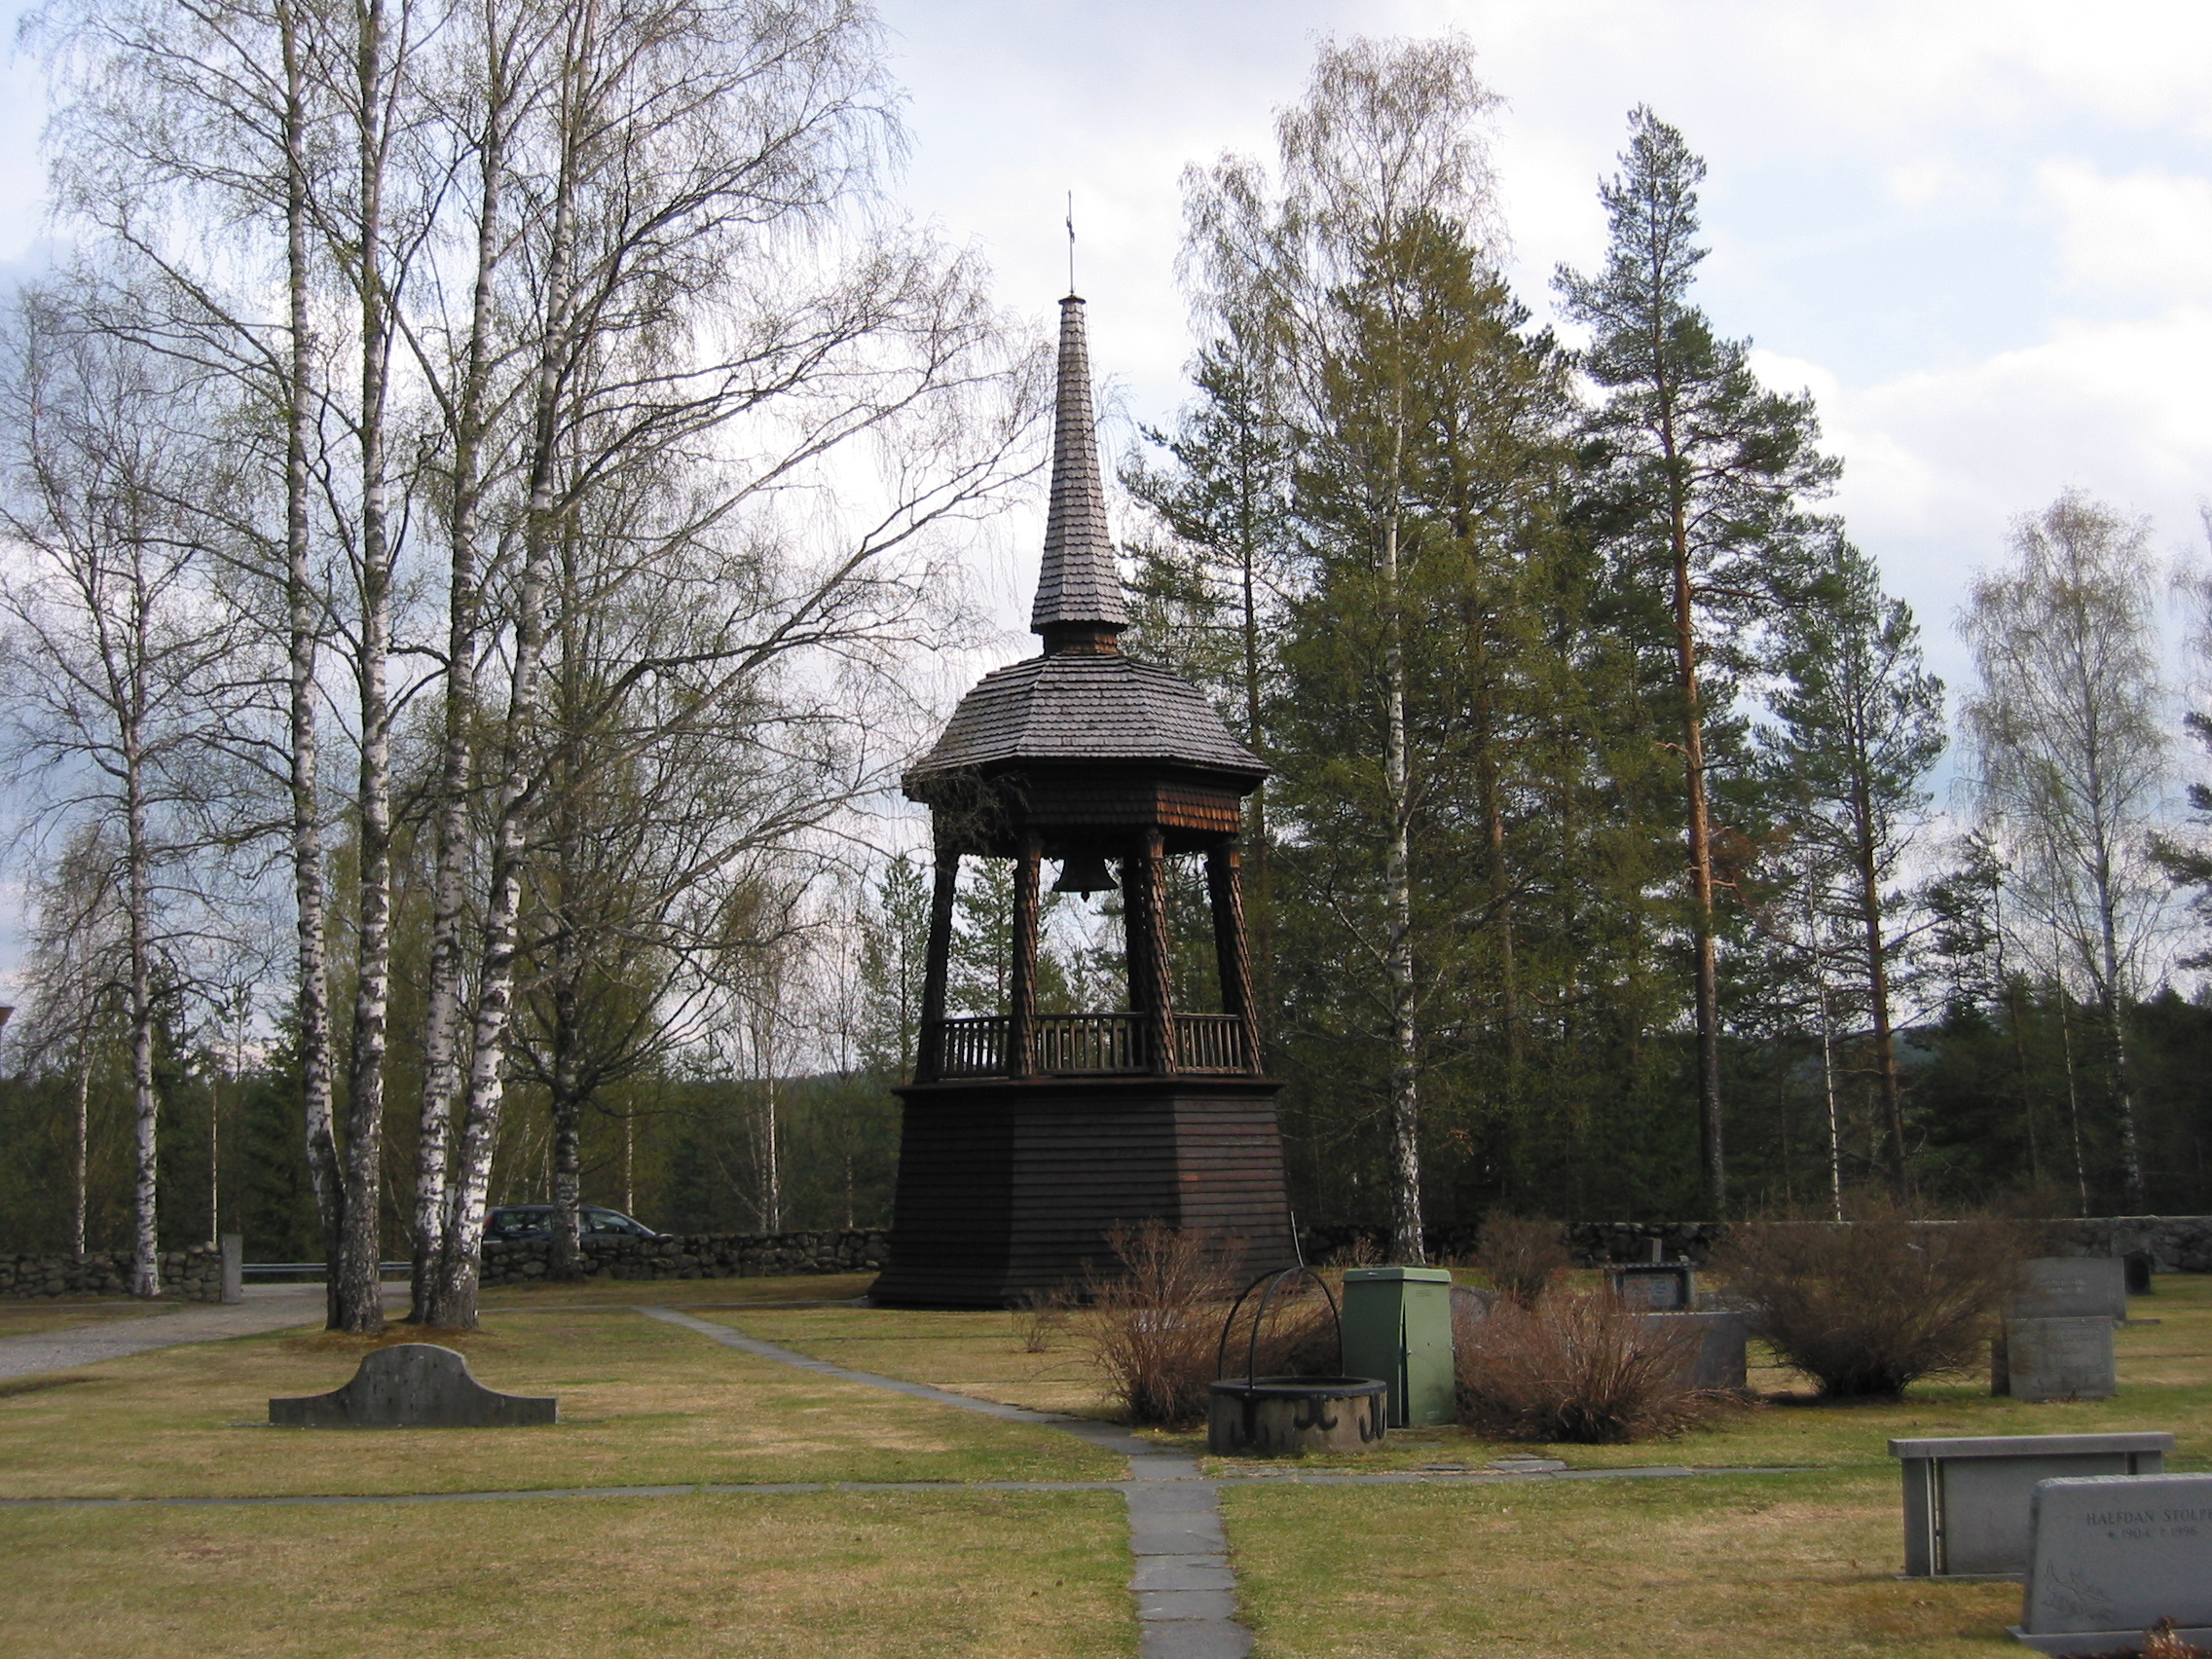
<point x="265" y="1308"/>
<point x="1184" y="1586"/>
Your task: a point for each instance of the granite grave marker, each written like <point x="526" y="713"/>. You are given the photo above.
<point x="2114" y="1555"/>
<point x="413" y="1385"/>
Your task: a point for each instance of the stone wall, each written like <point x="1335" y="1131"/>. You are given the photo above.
<point x="195" y="1275"/>
<point x="2180" y="1243"/>
<point x="703" y="1255"/>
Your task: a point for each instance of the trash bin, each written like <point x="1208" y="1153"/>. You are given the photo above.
<point x="1398" y="1327"/>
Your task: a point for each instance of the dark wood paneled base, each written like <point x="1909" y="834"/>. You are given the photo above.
<point x="1006" y="1188"/>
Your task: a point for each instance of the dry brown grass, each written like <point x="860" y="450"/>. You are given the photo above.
<point x="1580" y="1367"/>
<point x="893" y="1575"/>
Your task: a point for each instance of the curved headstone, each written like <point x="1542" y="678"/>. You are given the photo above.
<point x="413" y="1385"/>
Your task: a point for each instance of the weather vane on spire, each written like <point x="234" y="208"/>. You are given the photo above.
<point x="1071" y="241"/>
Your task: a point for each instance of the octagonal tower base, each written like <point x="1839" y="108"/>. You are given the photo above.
<point x="1010" y="1187"/>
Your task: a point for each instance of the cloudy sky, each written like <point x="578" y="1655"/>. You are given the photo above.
<point x="1980" y="233"/>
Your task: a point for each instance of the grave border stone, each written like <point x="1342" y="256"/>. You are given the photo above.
<point x="1932" y="1491"/>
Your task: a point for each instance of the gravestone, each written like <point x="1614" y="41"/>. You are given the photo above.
<point x="413" y="1385"/>
<point x="1968" y="1501"/>
<point x="2141" y="1267"/>
<point x="2070" y="1287"/>
<point x="1661" y="1286"/>
<point x="2112" y="1556"/>
<point x="1714" y="1357"/>
<point x="2054" y="1359"/>
<point x="234" y="1268"/>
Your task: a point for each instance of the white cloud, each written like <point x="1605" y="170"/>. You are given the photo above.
<point x="2145" y="234"/>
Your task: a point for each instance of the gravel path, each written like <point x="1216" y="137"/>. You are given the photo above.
<point x="265" y="1308"/>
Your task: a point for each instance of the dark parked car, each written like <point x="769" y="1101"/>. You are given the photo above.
<point x="511" y="1222"/>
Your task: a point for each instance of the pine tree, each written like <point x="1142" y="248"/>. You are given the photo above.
<point x="1860" y="722"/>
<point x="1702" y="474"/>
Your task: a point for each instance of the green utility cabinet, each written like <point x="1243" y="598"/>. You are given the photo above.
<point x="1398" y="1327"/>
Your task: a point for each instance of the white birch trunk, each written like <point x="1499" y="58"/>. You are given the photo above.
<point x="441" y="1061"/>
<point x="359" y="1294"/>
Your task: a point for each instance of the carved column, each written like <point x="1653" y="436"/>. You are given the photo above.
<point x="1159" y="1000"/>
<point x="937" y="965"/>
<point x="1021" y="1010"/>
<point x="1225" y="886"/>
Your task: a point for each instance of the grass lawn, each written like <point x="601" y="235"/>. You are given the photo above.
<point x="676" y="1293"/>
<point x="642" y="1403"/>
<point x="978" y="1355"/>
<point x="1716" y="1566"/>
<point x="2166" y="1373"/>
<point x="32" y="1318"/>
<point x="830" y="1576"/>
<point x="1755" y="1566"/>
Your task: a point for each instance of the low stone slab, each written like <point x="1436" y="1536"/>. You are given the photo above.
<point x="2069" y="1358"/>
<point x="413" y="1385"/>
<point x="1713" y="1354"/>
<point x="2070" y="1287"/>
<point x="2112" y="1556"/>
<point x="1968" y="1500"/>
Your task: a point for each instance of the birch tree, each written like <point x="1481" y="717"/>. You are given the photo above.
<point x="2069" y="751"/>
<point x="110" y="640"/>
<point x="719" y="324"/>
<point x="206" y="138"/>
<point x="1390" y="136"/>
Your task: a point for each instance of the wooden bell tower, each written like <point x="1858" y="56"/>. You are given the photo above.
<point x="1028" y="1138"/>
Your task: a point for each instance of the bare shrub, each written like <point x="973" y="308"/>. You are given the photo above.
<point x="2162" y="1641"/>
<point x="1153" y="1327"/>
<point x="1361" y="1252"/>
<point x="1868" y="1306"/>
<point x="1577" y="1366"/>
<point x="1039" y="1318"/>
<point x="1521" y="1255"/>
<point x="1154" y="1330"/>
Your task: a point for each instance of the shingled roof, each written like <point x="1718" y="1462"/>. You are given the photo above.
<point x="1078" y="582"/>
<point x="1082" y="700"/>
<point x="1087" y="707"/>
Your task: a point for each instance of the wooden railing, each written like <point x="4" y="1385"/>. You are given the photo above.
<point x="1082" y="1043"/>
<point x="973" y="1047"/>
<point x="1210" y="1043"/>
<point x="1087" y="1045"/>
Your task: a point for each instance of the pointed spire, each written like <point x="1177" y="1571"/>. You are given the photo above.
<point x="1079" y="590"/>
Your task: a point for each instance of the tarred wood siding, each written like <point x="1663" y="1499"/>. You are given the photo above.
<point x="1006" y="1188"/>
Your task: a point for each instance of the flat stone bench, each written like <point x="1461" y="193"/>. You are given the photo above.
<point x="413" y="1385"/>
<point x="1968" y="1502"/>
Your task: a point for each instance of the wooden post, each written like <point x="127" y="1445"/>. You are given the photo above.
<point x="929" y="1058"/>
<point x="1021" y="1021"/>
<point x="1225" y="885"/>
<point x="1136" y="933"/>
<point x="1159" y="1000"/>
